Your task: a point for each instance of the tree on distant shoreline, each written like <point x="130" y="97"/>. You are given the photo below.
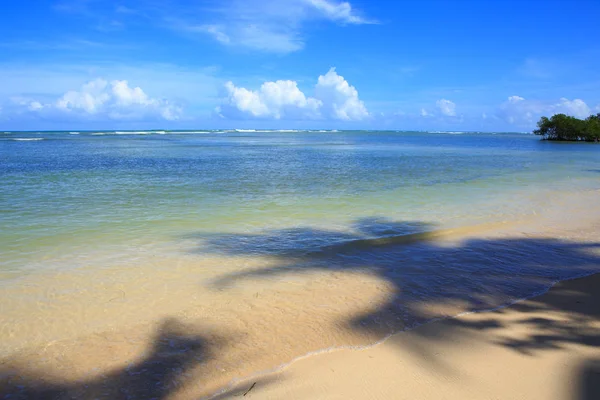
<point x="564" y="127"/>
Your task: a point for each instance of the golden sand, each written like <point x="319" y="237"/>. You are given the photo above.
<point x="190" y="338"/>
<point x="544" y="348"/>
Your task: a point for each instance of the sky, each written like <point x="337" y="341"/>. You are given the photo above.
<point x="493" y="65"/>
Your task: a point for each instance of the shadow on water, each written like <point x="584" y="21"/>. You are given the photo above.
<point x="426" y="277"/>
<point x="293" y="242"/>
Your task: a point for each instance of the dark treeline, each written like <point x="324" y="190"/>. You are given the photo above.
<point x="564" y="127"/>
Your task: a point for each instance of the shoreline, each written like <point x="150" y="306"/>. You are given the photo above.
<point x="206" y="350"/>
<point x="220" y="386"/>
<point x="274" y="383"/>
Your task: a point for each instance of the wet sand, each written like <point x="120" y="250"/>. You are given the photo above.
<point x="546" y="348"/>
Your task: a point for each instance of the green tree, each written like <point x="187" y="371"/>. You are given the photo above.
<point x="564" y="127"/>
<point x="592" y="128"/>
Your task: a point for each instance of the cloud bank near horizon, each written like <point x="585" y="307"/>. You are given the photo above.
<point x="518" y="111"/>
<point x="332" y="102"/>
<point x="99" y="99"/>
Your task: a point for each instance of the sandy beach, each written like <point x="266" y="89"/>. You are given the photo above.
<point x="168" y="301"/>
<point x="546" y="347"/>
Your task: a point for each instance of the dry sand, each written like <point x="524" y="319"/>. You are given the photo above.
<point x="547" y="347"/>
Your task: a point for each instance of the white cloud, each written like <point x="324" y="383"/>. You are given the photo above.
<point x="217" y="32"/>
<point x="523" y="112"/>
<point x="275" y="100"/>
<point x="35" y="105"/>
<point x="446" y="107"/>
<point x="267" y="38"/>
<point x="90" y="98"/>
<point x="47" y="81"/>
<point x="266" y="25"/>
<point x="337" y="11"/>
<point x="340" y="99"/>
<point x="334" y="98"/>
<point x="515" y="99"/>
<point x="100" y="98"/>
<point x="576" y="108"/>
<point x="518" y="111"/>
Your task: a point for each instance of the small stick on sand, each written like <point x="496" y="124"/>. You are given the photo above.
<point x="248" y="391"/>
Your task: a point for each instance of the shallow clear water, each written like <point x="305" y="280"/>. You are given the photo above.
<point x="67" y="193"/>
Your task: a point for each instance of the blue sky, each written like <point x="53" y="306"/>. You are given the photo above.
<point x="429" y="64"/>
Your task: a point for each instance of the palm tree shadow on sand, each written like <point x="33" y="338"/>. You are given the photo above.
<point x="478" y="274"/>
<point x="165" y="371"/>
<point x="154" y="377"/>
<point x="589" y="380"/>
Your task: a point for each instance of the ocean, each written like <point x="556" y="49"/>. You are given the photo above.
<point x="314" y="239"/>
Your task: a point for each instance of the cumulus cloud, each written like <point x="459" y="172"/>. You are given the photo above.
<point x="90" y="98"/>
<point x="446" y="107"/>
<point x="276" y="100"/>
<point x="340" y="99"/>
<point x="524" y="112"/>
<point x="334" y="98"/>
<point x="576" y="108"/>
<point x="100" y="98"/>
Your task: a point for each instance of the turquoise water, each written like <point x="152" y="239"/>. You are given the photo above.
<point x="73" y="193"/>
